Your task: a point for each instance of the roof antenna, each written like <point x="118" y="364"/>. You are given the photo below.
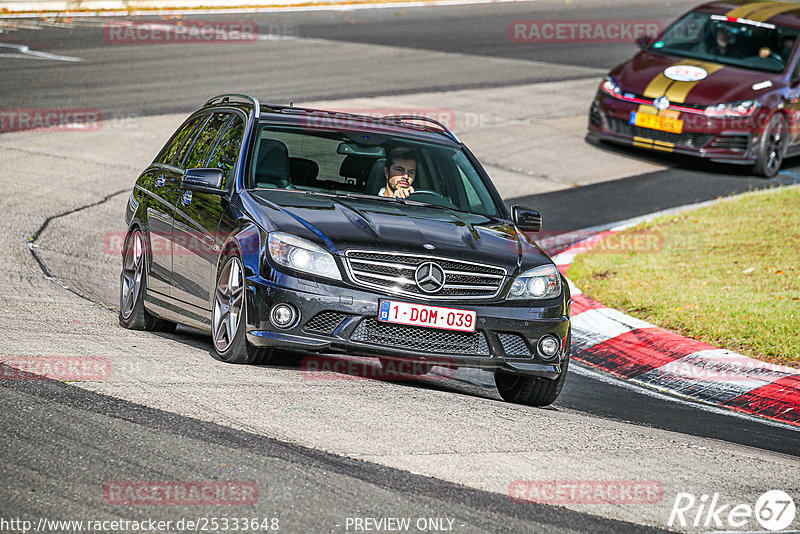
<point x="291" y="104"/>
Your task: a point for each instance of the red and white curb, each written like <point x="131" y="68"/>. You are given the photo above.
<point x="643" y="353"/>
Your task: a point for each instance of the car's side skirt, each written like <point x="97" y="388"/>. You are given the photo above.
<point x="174" y="310"/>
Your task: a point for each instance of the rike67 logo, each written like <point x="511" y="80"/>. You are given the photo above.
<point x="774" y="511"/>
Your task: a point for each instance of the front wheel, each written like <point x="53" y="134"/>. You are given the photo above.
<point x="530" y="390"/>
<point x="229" y="316"/>
<point x="772" y="147"/>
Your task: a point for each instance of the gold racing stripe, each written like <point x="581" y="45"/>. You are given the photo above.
<point x="658" y="86"/>
<point x="662" y="148"/>
<point x="748" y="9"/>
<point x="644" y="142"/>
<point x="674" y="90"/>
<point x="678" y="91"/>
<point x="764" y="14"/>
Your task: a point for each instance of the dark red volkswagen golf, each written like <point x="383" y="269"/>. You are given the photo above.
<point x="722" y="82"/>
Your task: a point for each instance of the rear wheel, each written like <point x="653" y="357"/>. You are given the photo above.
<point x="772" y="147"/>
<point x="229" y="316"/>
<point x="133" y="287"/>
<point x="530" y="390"/>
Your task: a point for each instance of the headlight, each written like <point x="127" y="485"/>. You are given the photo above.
<point x="540" y="283"/>
<point x="743" y="108"/>
<point x="302" y="255"/>
<point x="610" y="87"/>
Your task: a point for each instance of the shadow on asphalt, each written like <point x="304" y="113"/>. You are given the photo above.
<point x="686" y="181"/>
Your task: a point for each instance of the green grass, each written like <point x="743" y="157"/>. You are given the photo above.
<point x="727" y="274"/>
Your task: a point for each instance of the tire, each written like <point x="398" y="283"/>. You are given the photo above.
<point x="133" y="287"/>
<point x="229" y="316"/>
<point x="406" y="367"/>
<point x="530" y="390"/>
<point x="772" y="147"/>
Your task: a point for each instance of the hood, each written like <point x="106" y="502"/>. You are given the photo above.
<point x="722" y="84"/>
<point x="365" y="223"/>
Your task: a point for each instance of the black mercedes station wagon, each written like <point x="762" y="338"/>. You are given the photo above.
<point x="278" y="227"/>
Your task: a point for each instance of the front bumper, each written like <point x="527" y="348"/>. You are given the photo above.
<point x="337" y="320"/>
<point x="718" y="139"/>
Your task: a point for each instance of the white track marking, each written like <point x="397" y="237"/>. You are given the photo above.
<point x="275" y="9"/>
<point x="24" y="52"/>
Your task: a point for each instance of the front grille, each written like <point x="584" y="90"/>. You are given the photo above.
<point x="396" y="272"/>
<point x="420" y="339"/>
<point x="734" y="142"/>
<point x="324" y="323"/>
<point x="514" y="345"/>
<point x="687" y="140"/>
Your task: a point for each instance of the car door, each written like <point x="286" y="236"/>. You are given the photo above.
<point x="163" y="182"/>
<point x="197" y="214"/>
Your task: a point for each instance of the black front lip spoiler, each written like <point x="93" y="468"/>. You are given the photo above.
<point x="340" y="347"/>
<point x="742" y="159"/>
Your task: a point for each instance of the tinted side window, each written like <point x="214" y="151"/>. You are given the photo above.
<point x="173" y="147"/>
<point x="202" y="144"/>
<point x="227" y="150"/>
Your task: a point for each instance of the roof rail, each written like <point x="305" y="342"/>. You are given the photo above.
<point x="403" y="118"/>
<point x="241" y="97"/>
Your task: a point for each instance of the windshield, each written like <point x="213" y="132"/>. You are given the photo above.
<point x="343" y="163"/>
<point x="738" y="42"/>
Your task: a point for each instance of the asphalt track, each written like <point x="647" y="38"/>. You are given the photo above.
<point x="141" y="81"/>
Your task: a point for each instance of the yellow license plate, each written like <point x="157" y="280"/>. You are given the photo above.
<point x="656" y="122"/>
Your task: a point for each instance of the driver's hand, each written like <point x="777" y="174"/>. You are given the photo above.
<point x="403" y="192"/>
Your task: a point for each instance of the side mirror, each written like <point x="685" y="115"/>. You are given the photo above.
<point x="644" y="41"/>
<point x="203" y="181"/>
<point x="526" y="219"/>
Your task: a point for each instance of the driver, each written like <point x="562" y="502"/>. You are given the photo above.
<point x="723" y="41"/>
<point x="400" y="170"/>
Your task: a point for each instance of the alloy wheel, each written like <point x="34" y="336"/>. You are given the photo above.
<point x="775" y="145"/>
<point x="132" y="269"/>
<point x="228" y="300"/>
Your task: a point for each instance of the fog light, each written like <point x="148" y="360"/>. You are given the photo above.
<point x="548" y="347"/>
<point x="283" y="315"/>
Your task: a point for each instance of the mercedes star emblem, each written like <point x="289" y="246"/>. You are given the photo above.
<point x="429" y="277"/>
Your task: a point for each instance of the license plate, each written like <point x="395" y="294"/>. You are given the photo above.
<point x="391" y="311"/>
<point x="656" y="122"/>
